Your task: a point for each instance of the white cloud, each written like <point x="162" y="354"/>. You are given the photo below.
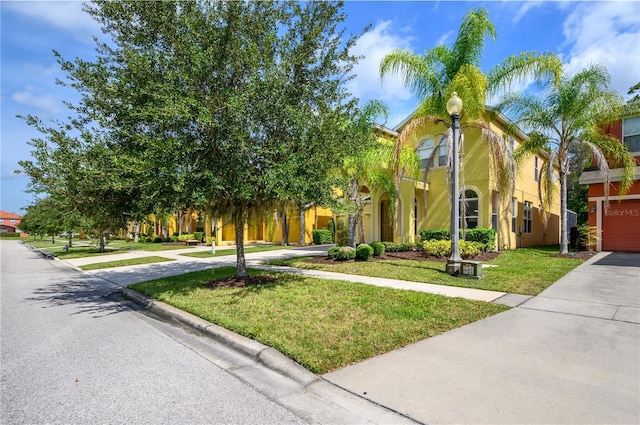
<point x="67" y="15"/>
<point x="607" y="33"/>
<point x="44" y="103"/>
<point x="373" y="46"/>
<point x="524" y="8"/>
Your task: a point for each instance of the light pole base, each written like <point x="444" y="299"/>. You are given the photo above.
<point x="453" y="267"/>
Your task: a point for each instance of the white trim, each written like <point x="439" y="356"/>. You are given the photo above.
<point x="591" y="177"/>
<point x="613" y="198"/>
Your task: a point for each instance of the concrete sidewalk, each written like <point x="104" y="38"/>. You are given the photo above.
<point x="570" y="355"/>
<point x="129" y="275"/>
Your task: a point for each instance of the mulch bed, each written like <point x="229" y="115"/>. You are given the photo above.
<point x="240" y="282"/>
<point x="406" y="255"/>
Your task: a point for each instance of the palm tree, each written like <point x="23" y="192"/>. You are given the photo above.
<point x="564" y="117"/>
<point x="436" y="74"/>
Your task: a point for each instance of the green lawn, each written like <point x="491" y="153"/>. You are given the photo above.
<point x="122" y="263"/>
<point x="88" y="248"/>
<point x="322" y="324"/>
<point x="146" y="246"/>
<point x="526" y="271"/>
<point x="221" y="252"/>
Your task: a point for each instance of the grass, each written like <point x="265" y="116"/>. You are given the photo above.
<point x="221" y="252"/>
<point x="526" y="271"/>
<point x="122" y="263"/>
<point x="322" y="324"/>
<point x="146" y="246"/>
<point x="82" y="248"/>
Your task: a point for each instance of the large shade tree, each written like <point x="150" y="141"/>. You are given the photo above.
<point x="567" y="116"/>
<point x="434" y="75"/>
<point x="222" y="106"/>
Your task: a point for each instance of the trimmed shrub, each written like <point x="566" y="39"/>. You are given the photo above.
<point x="434" y="235"/>
<point x="9" y="235"/>
<point x="401" y="247"/>
<point x="333" y="252"/>
<point x="378" y="248"/>
<point x="443" y="248"/>
<point x="343" y="232"/>
<point x="158" y="239"/>
<point x="364" y="252"/>
<point x="345" y="253"/>
<point x="321" y="236"/>
<point x="437" y="248"/>
<point x="210" y="239"/>
<point x="198" y="236"/>
<point x="186" y="237"/>
<point x="470" y="249"/>
<point x="484" y="235"/>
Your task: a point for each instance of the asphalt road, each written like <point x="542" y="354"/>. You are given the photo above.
<point x="73" y="352"/>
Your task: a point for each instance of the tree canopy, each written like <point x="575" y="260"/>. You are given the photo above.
<point x="227" y="107"/>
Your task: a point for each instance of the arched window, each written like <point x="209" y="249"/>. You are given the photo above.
<point x="425" y="150"/>
<point x="470" y="218"/>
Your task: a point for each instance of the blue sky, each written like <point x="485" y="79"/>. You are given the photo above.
<point x="579" y="32"/>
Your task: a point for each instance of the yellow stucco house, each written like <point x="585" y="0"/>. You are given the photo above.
<point x="264" y="229"/>
<point x="516" y="217"/>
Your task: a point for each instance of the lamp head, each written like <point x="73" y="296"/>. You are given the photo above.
<point x="454" y="104"/>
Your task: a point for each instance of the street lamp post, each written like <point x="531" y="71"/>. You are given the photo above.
<point x="454" y="106"/>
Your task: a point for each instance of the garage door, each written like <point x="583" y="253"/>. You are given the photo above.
<point x="621" y="226"/>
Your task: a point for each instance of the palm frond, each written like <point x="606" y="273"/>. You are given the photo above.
<point x="546" y="66"/>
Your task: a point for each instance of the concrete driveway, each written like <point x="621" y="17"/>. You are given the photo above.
<point x="570" y="355"/>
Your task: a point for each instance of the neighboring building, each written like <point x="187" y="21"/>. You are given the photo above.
<point x="267" y="228"/>
<point x="9" y="222"/>
<point x="516" y="217"/>
<point x="618" y="226"/>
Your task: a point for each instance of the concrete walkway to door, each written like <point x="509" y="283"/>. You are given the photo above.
<point x="570" y="355"/>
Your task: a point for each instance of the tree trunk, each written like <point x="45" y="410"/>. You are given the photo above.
<point x="70" y="237"/>
<point x="238" y="221"/>
<point x="564" y="246"/>
<point x="285" y="228"/>
<point x="53" y="238"/>
<point x="101" y="249"/>
<point x="303" y="239"/>
<point x="179" y="223"/>
<point x="360" y="228"/>
<point x="352" y="230"/>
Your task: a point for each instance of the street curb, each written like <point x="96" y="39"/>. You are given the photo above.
<point x="267" y="356"/>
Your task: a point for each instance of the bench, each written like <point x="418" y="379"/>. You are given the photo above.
<point x="191" y="242"/>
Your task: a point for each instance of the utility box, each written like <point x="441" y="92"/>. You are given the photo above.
<point x="471" y="269"/>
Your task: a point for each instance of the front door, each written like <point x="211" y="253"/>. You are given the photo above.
<point x="386" y="224"/>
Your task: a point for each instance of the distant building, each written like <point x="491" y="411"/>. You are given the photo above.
<point x="619" y="225"/>
<point x="9" y="222"/>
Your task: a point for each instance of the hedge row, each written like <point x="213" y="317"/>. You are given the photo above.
<point x="484" y="235"/>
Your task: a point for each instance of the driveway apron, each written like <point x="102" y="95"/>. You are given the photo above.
<point x="569" y="355"/>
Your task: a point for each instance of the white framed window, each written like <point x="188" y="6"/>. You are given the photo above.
<point x="425" y="150"/>
<point x="494" y="211"/>
<point x="631" y="134"/>
<point x="528" y="208"/>
<point x="470" y="218"/>
<point x="13" y="221"/>
<point x="536" y="169"/>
